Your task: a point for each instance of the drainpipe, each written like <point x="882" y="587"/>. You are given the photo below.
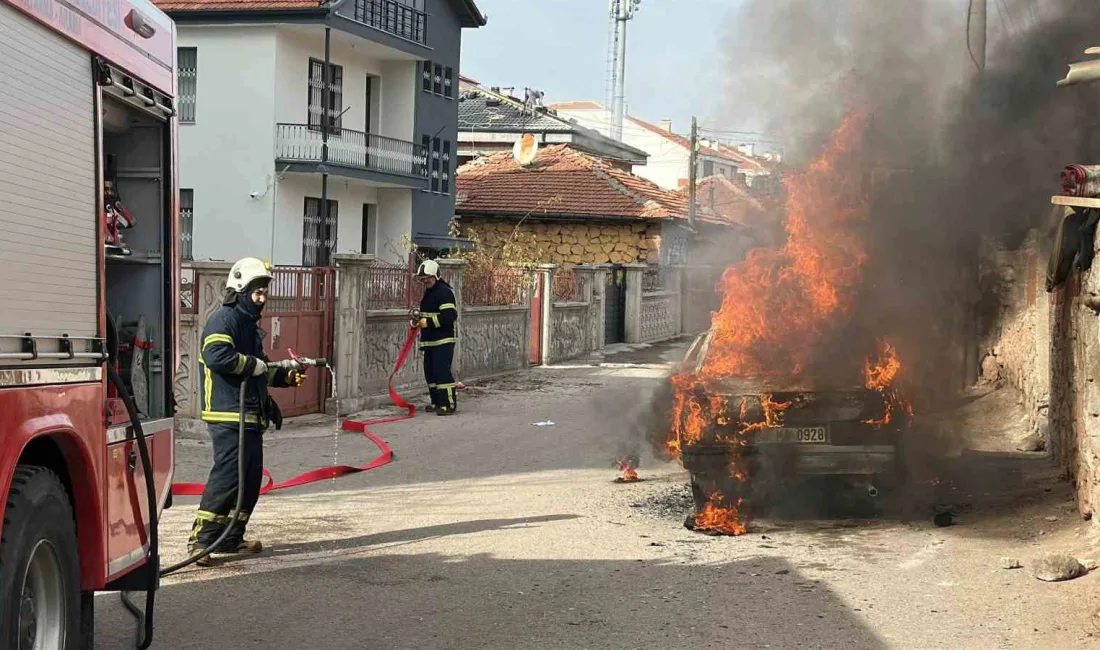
<point x="326" y="110"/>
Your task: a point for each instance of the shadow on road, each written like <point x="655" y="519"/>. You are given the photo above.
<point x="412" y="535"/>
<point x="481" y="601"/>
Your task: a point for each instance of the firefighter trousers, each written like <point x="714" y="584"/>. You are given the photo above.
<point x="437" y="372"/>
<point x="220" y="496"/>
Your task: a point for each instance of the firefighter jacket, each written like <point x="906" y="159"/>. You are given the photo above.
<point x="231" y="343"/>
<point x="438" y="308"/>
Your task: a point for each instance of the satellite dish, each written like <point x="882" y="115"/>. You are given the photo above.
<point x="525" y="149"/>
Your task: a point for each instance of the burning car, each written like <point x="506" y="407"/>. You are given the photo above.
<point x="760" y="436"/>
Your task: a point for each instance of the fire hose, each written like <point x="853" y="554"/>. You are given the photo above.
<point x="145" y="617"/>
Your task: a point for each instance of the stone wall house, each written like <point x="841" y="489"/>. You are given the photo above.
<point x="582" y="209"/>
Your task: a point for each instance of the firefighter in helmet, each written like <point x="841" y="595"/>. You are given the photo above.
<point x="436" y="320"/>
<point x="232" y="353"/>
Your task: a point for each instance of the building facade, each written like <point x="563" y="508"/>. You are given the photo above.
<point x="312" y="129"/>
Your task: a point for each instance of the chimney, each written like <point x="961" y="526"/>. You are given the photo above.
<point x="666" y="125"/>
<point x="747" y="149"/>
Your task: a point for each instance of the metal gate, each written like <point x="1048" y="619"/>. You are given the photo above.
<point x="614" y="325"/>
<point x="300" y="315"/>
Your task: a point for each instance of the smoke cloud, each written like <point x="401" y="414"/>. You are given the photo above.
<point x="951" y="155"/>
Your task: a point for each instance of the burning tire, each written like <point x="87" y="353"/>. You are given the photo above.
<point x="39" y="565"/>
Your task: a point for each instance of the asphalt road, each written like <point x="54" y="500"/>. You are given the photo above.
<point x="490" y="532"/>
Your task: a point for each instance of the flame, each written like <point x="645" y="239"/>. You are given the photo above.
<point x="880" y="375"/>
<point x="777" y="306"/>
<point x="721" y="518"/>
<point x="630" y="475"/>
<point x="778" y="302"/>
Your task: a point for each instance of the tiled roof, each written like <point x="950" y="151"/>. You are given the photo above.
<point x="234" y="5"/>
<point x="577" y="106"/>
<point x="482" y="111"/>
<point x="563" y="181"/>
<point x="730" y="202"/>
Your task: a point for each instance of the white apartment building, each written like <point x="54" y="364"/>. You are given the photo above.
<point x="278" y="162"/>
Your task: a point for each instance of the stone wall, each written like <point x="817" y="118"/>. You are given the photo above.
<point x="660" y="316"/>
<point x="1075" y="393"/>
<point x="494" y="340"/>
<point x="1015" y="317"/>
<point x="576" y="328"/>
<point x="576" y="243"/>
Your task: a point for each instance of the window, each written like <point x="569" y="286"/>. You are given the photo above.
<point x="187" y="222"/>
<point x="188" y="66"/>
<point x="708" y="169"/>
<point x="426" y="73"/>
<point x="445" y="183"/>
<point x="437" y="80"/>
<point x="319" y="94"/>
<point x="448" y="83"/>
<point x="319" y="233"/>
<point x="426" y="142"/>
<point x="435" y="165"/>
<point x="370" y="230"/>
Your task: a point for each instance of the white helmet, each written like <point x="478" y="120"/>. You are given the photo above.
<point x="245" y="271"/>
<point x="428" y="267"/>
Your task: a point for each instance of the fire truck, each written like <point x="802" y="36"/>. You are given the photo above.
<point x="89" y="267"/>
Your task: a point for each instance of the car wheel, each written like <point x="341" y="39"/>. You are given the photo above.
<point x="39" y="565"/>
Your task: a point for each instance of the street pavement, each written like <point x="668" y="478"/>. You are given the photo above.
<point x="490" y="532"/>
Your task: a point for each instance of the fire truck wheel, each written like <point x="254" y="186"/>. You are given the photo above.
<point x="39" y="567"/>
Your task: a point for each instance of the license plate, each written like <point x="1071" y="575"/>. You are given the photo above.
<point x="803" y="435"/>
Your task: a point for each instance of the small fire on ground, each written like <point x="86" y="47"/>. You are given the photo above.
<point x="778" y="307"/>
<point x="630" y="474"/>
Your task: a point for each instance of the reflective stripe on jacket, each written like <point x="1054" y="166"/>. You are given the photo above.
<point x="231" y="343"/>
<point x="438" y="308"/>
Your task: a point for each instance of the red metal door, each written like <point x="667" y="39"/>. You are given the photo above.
<point x="535" y="351"/>
<point x="300" y="316"/>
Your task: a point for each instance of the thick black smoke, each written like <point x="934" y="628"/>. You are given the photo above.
<point x="953" y="154"/>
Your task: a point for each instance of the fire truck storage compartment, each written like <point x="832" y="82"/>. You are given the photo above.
<point x="48" y="224"/>
<point x="135" y="151"/>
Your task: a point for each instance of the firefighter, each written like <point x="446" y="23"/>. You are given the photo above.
<point x="436" y="320"/>
<point x="232" y="352"/>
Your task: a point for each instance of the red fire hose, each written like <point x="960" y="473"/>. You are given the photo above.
<point x="385" y="455"/>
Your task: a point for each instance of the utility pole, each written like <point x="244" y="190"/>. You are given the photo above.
<point x="621" y="12"/>
<point x="693" y="163"/>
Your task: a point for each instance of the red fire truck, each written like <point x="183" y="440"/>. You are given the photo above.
<point x="88" y="307"/>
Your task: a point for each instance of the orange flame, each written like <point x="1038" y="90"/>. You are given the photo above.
<point x="778" y="302"/>
<point x="630" y="475"/>
<point x="880" y="376"/>
<point x="721" y="518"/>
<point x="777" y="306"/>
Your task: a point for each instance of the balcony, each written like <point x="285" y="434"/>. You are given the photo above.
<point x="393" y="17"/>
<point x="353" y="153"/>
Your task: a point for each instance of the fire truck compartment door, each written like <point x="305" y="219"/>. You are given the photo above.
<point x="48" y="221"/>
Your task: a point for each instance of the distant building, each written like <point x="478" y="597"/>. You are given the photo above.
<point x="582" y="208"/>
<point x="255" y="106"/>
<point x="491" y="120"/>
<point x="669" y="164"/>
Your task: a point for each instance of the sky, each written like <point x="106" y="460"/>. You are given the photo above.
<point x="560" y="47"/>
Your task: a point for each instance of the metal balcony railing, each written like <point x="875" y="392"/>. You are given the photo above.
<point x="367" y="151"/>
<point x="393" y="17"/>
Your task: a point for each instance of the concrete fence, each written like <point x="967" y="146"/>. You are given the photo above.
<point x="493" y="338"/>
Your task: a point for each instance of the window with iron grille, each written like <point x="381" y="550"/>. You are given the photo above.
<point x="448" y="83"/>
<point x="437" y="80"/>
<point x="426" y="73"/>
<point x="188" y="73"/>
<point x="187" y="222"/>
<point x="319" y="232"/>
<point x="318" y="93"/>
<point x="435" y="165"/>
<point x="445" y="181"/>
<point x="426" y="143"/>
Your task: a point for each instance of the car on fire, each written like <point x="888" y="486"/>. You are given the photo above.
<point x="766" y="435"/>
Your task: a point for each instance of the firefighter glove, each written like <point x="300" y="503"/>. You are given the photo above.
<point x="259" y="369"/>
<point x="296" y="378"/>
